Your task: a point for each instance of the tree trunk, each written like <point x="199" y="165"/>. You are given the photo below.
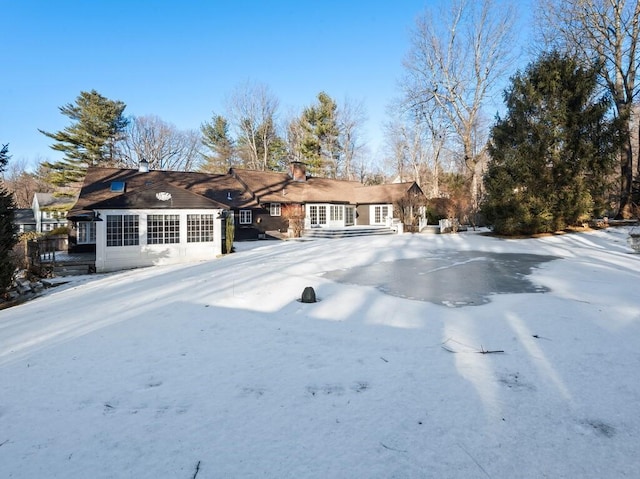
<point x="625" y="205"/>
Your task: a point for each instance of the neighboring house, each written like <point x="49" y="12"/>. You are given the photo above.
<point x="24" y="219"/>
<point x="141" y="217"/>
<point x="50" y="211"/>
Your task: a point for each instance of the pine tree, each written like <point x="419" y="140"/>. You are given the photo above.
<point x="92" y="138"/>
<point x="551" y="152"/>
<point x="8" y="230"/>
<point x="320" y="146"/>
<point x="216" y="137"/>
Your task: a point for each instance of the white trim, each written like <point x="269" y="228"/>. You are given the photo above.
<point x="244" y="215"/>
<point x="91" y="232"/>
<point x="325" y="215"/>
<point x="116" y="258"/>
<point x="275" y="209"/>
<point x="379" y="214"/>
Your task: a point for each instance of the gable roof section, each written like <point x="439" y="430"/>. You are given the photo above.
<point x="49" y="200"/>
<point x="23" y="216"/>
<point x="280" y="187"/>
<point x="96" y="189"/>
<point x="388" y="193"/>
<point x="160" y="195"/>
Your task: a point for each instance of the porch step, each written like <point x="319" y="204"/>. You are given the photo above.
<point x="431" y="229"/>
<point x="73" y="269"/>
<point x="346" y="232"/>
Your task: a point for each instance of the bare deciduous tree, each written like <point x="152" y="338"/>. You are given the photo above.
<point x="294" y="137"/>
<point x="351" y="118"/>
<point x="161" y="144"/>
<point x="252" y="109"/>
<point x="606" y="31"/>
<point x="418" y="140"/>
<point x="24" y="184"/>
<point x="456" y="57"/>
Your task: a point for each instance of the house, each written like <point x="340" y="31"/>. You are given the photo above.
<point x="322" y="202"/>
<point x="24" y="219"/>
<point x="140" y="217"/>
<point x="134" y="218"/>
<point x="50" y="211"/>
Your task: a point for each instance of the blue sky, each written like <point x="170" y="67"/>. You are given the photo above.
<point x="180" y="60"/>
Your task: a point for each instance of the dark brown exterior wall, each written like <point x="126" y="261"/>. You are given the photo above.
<point x="262" y="221"/>
<point x="271" y="223"/>
<point x="362" y="215"/>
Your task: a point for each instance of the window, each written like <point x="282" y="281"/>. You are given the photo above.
<point x="117" y="186"/>
<point x="318" y="215"/>
<point x="199" y="228"/>
<point x="86" y="232"/>
<point x="163" y="229"/>
<point x="275" y="209"/>
<point x="380" y="214"/>
<point x="245" y="217"/>
<point x="322" y="215"/>
<point x="336" y="213"/>
<point x="122" y="230"/>
<point x="349" y="215"/>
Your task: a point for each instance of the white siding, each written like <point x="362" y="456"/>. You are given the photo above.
<point x="115" y="258"/>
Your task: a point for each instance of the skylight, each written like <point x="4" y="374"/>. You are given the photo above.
<point x="117" y="186"/>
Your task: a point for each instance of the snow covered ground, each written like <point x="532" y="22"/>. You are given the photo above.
<point x="215" y="370"/>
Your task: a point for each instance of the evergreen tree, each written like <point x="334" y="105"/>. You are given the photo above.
<point x="320" y="146"/>
<point x="92" y="138"/>
<point x="8" y="230"/>
<point x="216" y="137"/>
<point x="551" y="152"/>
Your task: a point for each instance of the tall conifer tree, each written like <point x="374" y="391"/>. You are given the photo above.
<point x="8" y="230"/>
<point x="552" y="151"/>
<point x="320" y="146"/>
<point x="216" y="137"/>
<point x="92" y="138"/>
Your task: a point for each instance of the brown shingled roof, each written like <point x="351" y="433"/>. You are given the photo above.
<point x="239" y="189"/>
<point x="96" y="188"/>
<point x="271" y="186"/>
<point x="388" y="193"/>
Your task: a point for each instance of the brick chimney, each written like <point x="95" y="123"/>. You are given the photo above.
<point x="298" y="171"/>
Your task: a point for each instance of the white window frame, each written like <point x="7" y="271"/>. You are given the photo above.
<point x="336" y="213"/>
<point x="86" y="232"/>
<point x="163" y="229"/>
<point x="275" y="209"/>
<point x="245" y="217"/>
<point x="126" y="230"/>
<point x="379" y="214"/>
<point x="200" y="228"/>
<point x="349" y="215"/>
